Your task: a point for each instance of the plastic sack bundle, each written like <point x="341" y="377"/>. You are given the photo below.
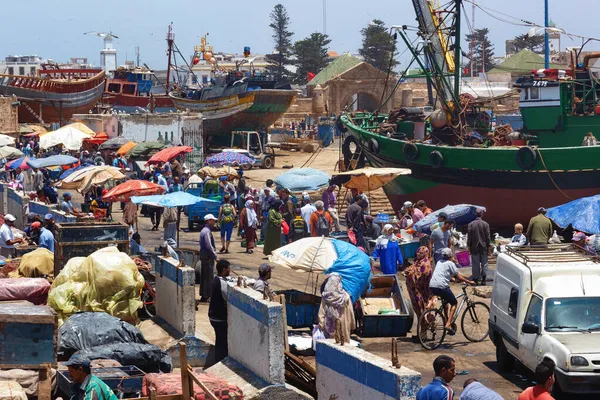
<point x="105" y="281"/>
<point x="86" y="330"/>
<point x="37" y="264"/>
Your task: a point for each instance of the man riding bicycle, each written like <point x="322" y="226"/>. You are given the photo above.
<point x="439" y="285"/>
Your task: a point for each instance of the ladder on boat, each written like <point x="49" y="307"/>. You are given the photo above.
<point x="32" y="111"/>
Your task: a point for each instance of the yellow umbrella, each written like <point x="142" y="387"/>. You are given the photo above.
<point x="367" y="179"/>
<point x="83" y="179"/>
<point x="82" y="127"/>
<point x="125" y="148"/>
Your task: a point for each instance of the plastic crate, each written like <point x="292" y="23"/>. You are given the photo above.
<point x="302" y="309"/>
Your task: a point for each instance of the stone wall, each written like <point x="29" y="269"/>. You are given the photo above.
<point x="9" y="115"/>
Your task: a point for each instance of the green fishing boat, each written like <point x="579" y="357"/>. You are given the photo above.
<point x="546" y="165"/>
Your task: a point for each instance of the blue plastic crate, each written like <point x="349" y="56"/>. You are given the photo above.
<point x="302" y="309"/>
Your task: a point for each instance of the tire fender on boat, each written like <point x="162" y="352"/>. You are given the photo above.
<point x="436" y="159"/>
<point x="349" y="155"/>
<point x="373" y="146"/>
<point x="526" y="157"/>
<point x="410" y="151"/>
<point x="341" y="126"/>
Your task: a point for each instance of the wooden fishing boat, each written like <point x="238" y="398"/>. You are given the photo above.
<point x="55" y="94"/>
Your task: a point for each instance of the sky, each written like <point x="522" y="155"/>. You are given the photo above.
<point x="55" y="29"/>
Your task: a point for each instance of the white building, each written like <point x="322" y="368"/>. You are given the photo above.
<point x="108" y="55"/>
<point x="203" y="72"/>
<point x="21" y="65"/>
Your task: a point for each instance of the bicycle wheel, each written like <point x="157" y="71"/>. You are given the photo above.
<point x="474" y="321"/>
<point x="431" y="330"/>
<point x="148" y="301"/>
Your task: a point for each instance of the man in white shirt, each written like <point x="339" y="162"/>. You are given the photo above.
<point x="307" y="211"/>
<point x="7" y="240"/>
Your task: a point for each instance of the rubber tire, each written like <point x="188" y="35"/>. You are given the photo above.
<point x="474" y="305"/>
<point x="149" y="309"/>
<point x="348" y="154"/>
<point x="373" y="146"/>
<point x="531" y="155"/>
<point x="410" y="151"/>
<point x="436" y="159"/>
<point x="341" y="126"/>
<point x="268" y="163"/>
<point x="422" y="319"/>
<point x="505" y="361"/>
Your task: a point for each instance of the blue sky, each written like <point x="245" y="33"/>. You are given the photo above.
<point x="54" y="29"/>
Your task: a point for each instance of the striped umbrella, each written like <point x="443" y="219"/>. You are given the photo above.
<point x="125" y="190"/>
<point x="229" y="158"/>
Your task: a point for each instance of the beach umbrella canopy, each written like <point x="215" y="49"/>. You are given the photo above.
<point x="70" y="137"/>
<point x="98" y="138"/>
<point x="125" y="190"/>
<point x="82" y="127"/>
<point x="71" y="170"/>
<point x="327" y="255"/>
<point x="10" y="153"/>
<point x="126" y="148"/>
<point x="301" y="179"/>
<point x="145" y="148"/>
<point x="114" y="143"/>
<point x="176" y="199"/>
<point x="83" y="179"/>
<point x="218" y="172"/>
<point x="228" y="158"/>
<point x="582" y="214"/>
<point x="6" y="140"/>
<point x="366" y="179"/>
<point x="52" y="161"/>
<point x="19" y="163"/>
<point x="168" y="154"/>
<point x="462" y="214"/>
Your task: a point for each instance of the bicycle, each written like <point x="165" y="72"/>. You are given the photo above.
<point x="474" y="322"/>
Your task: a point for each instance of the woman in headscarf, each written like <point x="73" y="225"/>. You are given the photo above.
<point x="336" y="305"/>
<point x="273" y="232"/>
<point x="249" y="223"/>
<point x="418" y="276"/>
<point x="388" y="251"/>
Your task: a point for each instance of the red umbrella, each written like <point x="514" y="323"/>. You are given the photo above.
<point x="130" y="188"/>
<point x="98" y="138"/>
<point x="168" y="154"/>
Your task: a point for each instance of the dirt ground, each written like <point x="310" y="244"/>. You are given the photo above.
<point x="476" y="359"/>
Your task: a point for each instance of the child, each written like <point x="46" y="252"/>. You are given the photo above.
<point x="519" y="239"/>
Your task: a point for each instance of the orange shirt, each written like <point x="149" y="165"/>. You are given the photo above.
<point x="314" y="218"/>
<point x="536" y="392"/>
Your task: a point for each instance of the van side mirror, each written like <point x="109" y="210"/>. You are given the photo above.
<point x="530" y="327"/>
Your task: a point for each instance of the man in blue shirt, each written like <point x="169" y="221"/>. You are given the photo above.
<point x="46" y="236"/>
<point x="439" y="388"/>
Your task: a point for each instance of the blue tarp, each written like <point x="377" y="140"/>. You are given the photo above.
<point x="354" y="267"/>
<point x="51" y="161"/>
<point x="462" y="214"/>
<point x="582" y="214"/>
<point x="176" y="199"/>
<point x="301" y="179"/>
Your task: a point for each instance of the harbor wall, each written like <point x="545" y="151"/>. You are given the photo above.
<point x="255" y="333"/>
<point x="17" y="205"/>
<point x="9" y="116"/>
<point x="347" y="372"/>
<point x="42" y="209"/>
<point x="3" y="199"/>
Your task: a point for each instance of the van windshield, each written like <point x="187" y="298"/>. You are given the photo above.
<point x="573" y="314"/>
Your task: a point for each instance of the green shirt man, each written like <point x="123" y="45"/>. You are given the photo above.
<point x="539" y="230"/>
<point x="85" y="385"/>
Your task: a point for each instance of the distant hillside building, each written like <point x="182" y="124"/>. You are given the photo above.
<point x="521" y="64"/>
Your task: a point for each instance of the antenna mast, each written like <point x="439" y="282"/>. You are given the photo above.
<point x="324" y="17"/>
<point x="170" y="39"/>
<point x="472" y="36"/>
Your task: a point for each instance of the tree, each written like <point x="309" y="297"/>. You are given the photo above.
<point x="483" y="50"/>
<point x="534" y="43"/>
<point x="378" y="46"/>
<point x="278" y="61"/>
<point x="311" y="56"/>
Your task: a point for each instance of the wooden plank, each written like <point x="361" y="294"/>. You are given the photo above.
<point x="45" y="384"/>
<point x="152" y="393"/>
<point x="185" y="379"/>
<point x="202" y="385"/>
<point x="286" y="346"/>
<point x="26" y="314"/>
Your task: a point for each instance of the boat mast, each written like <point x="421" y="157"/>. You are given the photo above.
<point x="170" y="38"/>
<point x="457" y="54"/>
<point x="546" y="37"/>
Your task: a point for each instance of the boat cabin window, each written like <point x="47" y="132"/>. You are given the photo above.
<point x="11" y="71"/>
<point x="21" y="70"/>
<point x="114" y="88"/>
<point x="534" y="93"/>
<point x="32" y="71"/>
<point x="129" y="89"/>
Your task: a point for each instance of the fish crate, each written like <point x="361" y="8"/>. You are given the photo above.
<point x="302" y="309"/>
<point x="80" y="239"/>
<point x="125" y="381"/>
<point x="385" y="293"/>
<point x="28" y="336"/>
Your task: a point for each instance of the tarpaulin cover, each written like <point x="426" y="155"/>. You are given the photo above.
<point x="462" y="214"/>
<point x="145" y="148"/>
<point x="175" y="199"/>
<point x="69" y="136"/>
<point x="147" y="357"/>
<point x="37" y="264"/>
<point x="34" y="290"/>
<point x="582" y="214"/>
<point x="51" y="161"/>
<point x="114" y="143"/>
<point x="302" y="179"/>
<point x="89" y="329"/>
<point x="354" y="267"/>
<point x="166" y="384"/>
<point x="105" y="281"/>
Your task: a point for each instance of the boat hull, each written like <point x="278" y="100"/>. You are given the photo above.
<point x="253" y="110"/>
<point x="125" y="100"/>
<point x="490" y="177"/>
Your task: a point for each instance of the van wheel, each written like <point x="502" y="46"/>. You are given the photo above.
<point x="506" y="362"/>
<point x="268" y="163"/>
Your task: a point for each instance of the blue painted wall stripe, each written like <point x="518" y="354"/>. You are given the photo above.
<point x="252" y="307"/>
<point x="171" y="272"/>
<point x="363" y="372"/>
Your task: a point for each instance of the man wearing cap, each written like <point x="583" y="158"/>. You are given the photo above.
<point x="208" y="255"/>
<point x="85" y="385"/>
<point x="440" y="221"/>
<point x="46" y="236"/>
<point x="7" y="240"/>
<point x="478" y="243"/>
<point x="49" y="223"/>
<point x="217" y="309"/>
<point x="262" y="283"/>
<point x="440" y="239"/>
<point x="329" y="201"/>
<point x="539" y="230"/>
<point x="67" y="206"/>
<point x="307" y="210"/>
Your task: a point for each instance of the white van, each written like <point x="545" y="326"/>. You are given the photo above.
<point x="546" y="305"/>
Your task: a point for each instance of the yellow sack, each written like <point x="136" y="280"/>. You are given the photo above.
<point x="105" y="281"/>
<point x="37" y="264"/>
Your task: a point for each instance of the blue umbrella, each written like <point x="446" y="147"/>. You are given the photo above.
<point x="462" y="214"/>
<point x="301" y="179"/>
<point x="51" y="161"/>
<point x="176" y="199"/>
<point x="582" y="214"/>
<point x="229" y="158"/>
